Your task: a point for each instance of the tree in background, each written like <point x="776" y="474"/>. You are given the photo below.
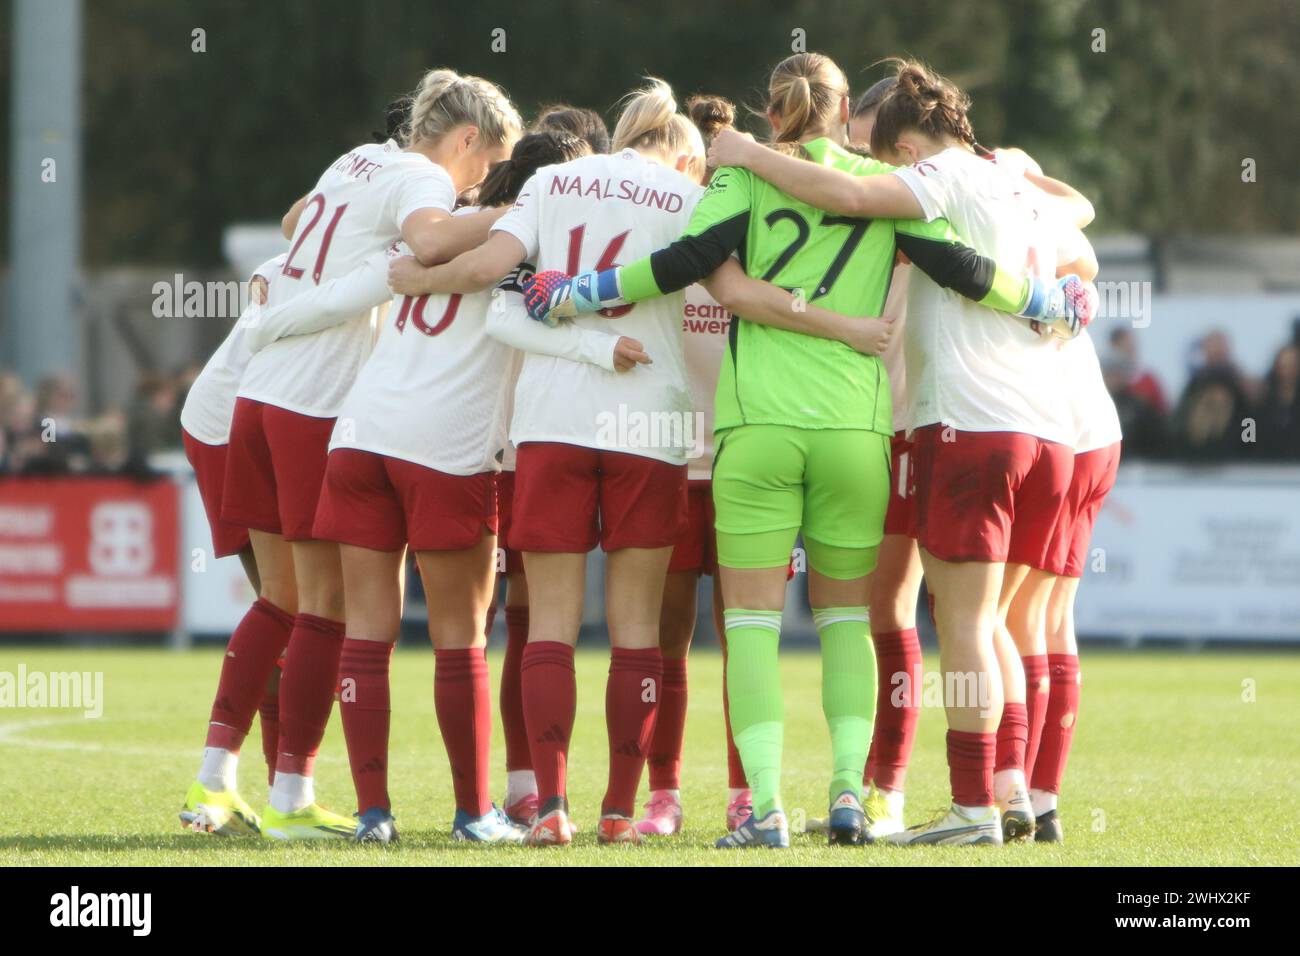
<point x="180" y="143"/>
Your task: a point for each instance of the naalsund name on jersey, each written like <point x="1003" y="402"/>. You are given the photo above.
<point x="626" y="190"/>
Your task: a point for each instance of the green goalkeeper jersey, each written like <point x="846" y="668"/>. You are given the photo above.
<point x="773" y="376"/>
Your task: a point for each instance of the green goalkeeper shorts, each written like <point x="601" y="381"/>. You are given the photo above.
<point x="772" y="481"/>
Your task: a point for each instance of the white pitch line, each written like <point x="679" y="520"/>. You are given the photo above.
<point x="10" y="731"/>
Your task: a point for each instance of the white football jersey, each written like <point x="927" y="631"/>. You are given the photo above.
<point x="1096" y="420"/>
<point x="705" y="329"/>
<point x="355" y="210"/>
<point x="434" y="390"/>
<point x="595" y="213"/>
<point x="210" y="402"/>
<point x="969" y="366"/>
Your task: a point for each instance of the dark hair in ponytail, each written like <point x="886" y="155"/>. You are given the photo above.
<point x="531" y="153"/>
<point x="870" y="101"/>
<point x="921" y="100"/>
<point x="396" y="115"/>
<point x="710" y="114"/>
<point x="577" y="120"/>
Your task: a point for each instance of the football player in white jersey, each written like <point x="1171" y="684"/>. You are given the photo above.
<point x="412" y="463"/>
<point x="205" y="433"/>
<point x="1096" y="462"/>
<point x="291" y="391"/>
<point x="213" y="804"/>
<point x="520" y="801"/>
<point x="991" y="417"/>
<point x="585" y="472"/>
<point x="602" y="457"/>
<point x="1037" y="606"/>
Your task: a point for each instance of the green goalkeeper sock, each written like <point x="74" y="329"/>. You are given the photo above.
<point x="756" y="709"/>
<point x="848" y="691"/>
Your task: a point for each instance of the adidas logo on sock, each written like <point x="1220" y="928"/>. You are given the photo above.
<point x="553" y="735"/>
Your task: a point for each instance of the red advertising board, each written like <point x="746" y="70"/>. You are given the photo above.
<point x="88" y="554"/>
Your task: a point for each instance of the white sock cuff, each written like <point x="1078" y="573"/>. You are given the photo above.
<point x="739" y="617"/>
<point x="824" y="617"/>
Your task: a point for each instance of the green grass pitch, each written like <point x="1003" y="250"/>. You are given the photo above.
<point x="1181" y="759"/>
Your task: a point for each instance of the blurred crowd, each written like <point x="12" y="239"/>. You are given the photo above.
<point x="1222" y="415"/>
<point x="42" y="432"/>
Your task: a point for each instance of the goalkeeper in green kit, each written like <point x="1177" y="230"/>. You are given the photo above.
<point x="802" y="425"/>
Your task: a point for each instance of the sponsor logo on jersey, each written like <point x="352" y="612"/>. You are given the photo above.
<point x="712" y="319"/>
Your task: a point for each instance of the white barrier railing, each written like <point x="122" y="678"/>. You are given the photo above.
<point x="1178" y="552"/>
<point x="1196" y="553"/>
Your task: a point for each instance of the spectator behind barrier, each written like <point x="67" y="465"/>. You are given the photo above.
<point x="1142" y="422"/>
<point x="1279" y="408"/>
<point x="1142" y="382"/>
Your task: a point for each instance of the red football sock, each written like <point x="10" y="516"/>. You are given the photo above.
<point x="665" y="758"/>
<point x="269" y="709"/>
<point x="250" y="658"/>
<point x="463" y="699"/>
<point x="1058" y="731"/>
<point x="1037" y="693"/>
<point x="897" y="652"/>
<point x="518" y="756"/>
<point x="629" y="719"/>
<point x="970" y="767"/>
<point x="550" y="695"/>
<point x="366" y="710"/>
<point x="1013" y="733"/>
<point x="311" y="676"/>
<point x="736" y="779"/>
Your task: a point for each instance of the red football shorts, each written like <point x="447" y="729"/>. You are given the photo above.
<point x="505" y="514"/>
<point x="898" y="516"/>
<point x="209" y="464"/>
<point x="275" y="469"/>
<point x="988" y="496"/>
<point x="569" y="498"/>
<point x="1092" y="479"/>
<point x="696" y="549"/>
<point x="384" y="504"/>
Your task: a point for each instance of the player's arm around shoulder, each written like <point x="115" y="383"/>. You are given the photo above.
<point x="766" y="304"/>
<point x="941" y="253"/>
<point x="839" y="191"/>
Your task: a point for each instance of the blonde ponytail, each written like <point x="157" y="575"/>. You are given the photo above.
<point x="805" y="91"/>
<point x="650" y="121"/>
<point x="445" y="100"/>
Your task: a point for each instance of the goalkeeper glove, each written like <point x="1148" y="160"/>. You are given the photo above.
<point x="552" y="296"/>
<point x="1064" y="308"/>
